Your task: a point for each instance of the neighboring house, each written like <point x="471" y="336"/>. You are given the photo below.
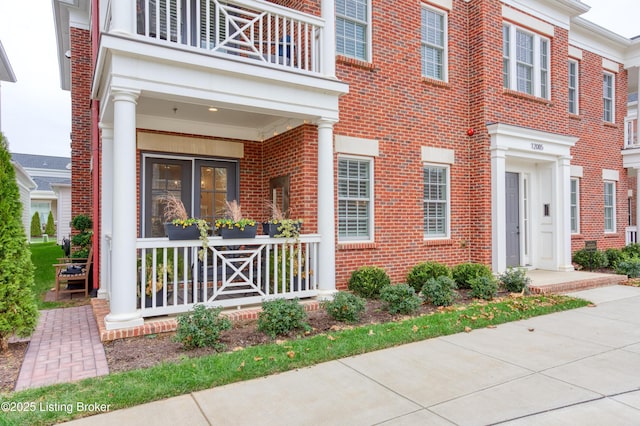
<point x="501" y="132"/>
<point x="52" y="192"/>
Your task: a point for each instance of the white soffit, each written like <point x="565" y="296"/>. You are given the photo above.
<point x="356" y="146"/>
<point x="590" y="37"/>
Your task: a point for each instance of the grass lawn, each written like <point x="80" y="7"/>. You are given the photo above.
<point x="43" y="256"/>
<point x="136" y="387"/>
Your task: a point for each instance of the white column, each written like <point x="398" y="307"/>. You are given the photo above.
<point x="123" y="312"/>
<point x="637" y="195"/>
<point x="563" y="226"/>
<point x="123" y="17"/>
<point x="498" y="210"/>
<point x="106" y="216"/>
<point x="326" y="210"/>
<point x="328" y="54"/>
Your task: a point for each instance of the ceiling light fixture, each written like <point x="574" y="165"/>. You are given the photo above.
<point x="213" y="109"/>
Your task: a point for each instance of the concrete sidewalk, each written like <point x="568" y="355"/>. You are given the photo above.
<point x="575" y="367"/>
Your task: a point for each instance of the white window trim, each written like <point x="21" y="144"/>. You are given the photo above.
<point x="577" y="86"/>
<point x="347" y="240"/>
<point x="613" y="97"/>
<point x="447" y="234"/>
<point x="577" y="205"/>
<point x="368" y="32"/>
<point x="536" y="82"/>
<point x="445" y="43"/>
<point x="613" y="207"/>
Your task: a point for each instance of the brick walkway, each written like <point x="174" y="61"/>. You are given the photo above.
<point x="65" y="347"/>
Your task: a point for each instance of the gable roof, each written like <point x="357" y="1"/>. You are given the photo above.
<point x="45" y="170"/>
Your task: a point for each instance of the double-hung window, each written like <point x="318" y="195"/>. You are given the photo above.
<point x="355" y="198"/>
<point x="525" y="61"/>
<point x="434" y="44"/>
<point x="575" y="206"/>
<point x="352" y="28"/>
<point x="609" y="206"/>
<point x="573" y="87"/>
<point x="436" y="201"/>
<point x="608" y="95"/>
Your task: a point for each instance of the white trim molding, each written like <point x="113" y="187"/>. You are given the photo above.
<point x="356" y="146"/>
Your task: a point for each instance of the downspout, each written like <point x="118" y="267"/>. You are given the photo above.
<point x="95" y="146"/>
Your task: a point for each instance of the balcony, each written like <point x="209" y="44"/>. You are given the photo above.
<point x="631" y="133"/>
<point x="243" y="29"/>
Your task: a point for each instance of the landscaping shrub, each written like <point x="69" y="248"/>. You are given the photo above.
<point x="201" y="327"/>
<point x="368" y="280"/>
<point x="465" y="272"/>
<point x="515" y="279"/>
<point x="614" y="255"/>
<point x="400" y="299"/>
<point x="18" y="308"/>
<point x="420" y="274"/>
<point x="36" y="230"/>
<point x="280" y="316"/>
<point x="82" y="223"/>
<point x="345" y="307"/>
<point x="484" y="287"/>
<point x="590" y="259"/>
<point x="440" y="291"/>
<point x="50" y="229"/>
<point x="629" y="266"/>
<point x="632" y="250"/>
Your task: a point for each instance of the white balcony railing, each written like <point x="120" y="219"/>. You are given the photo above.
<point x="249" y="29"/>
<point x="631" y="235"/>
<point x="631" y="133"/>
<point x="228" y="273"/>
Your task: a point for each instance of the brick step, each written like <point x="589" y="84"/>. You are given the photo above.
<point x="580" y="284"/>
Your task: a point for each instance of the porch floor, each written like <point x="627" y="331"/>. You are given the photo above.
<point x="542" y="282"/>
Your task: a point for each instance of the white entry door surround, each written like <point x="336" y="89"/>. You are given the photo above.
<point x="542" y="160"/>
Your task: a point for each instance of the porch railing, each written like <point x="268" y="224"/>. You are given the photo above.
<point x="173" y="276"/>
<point x="630" y="235"/>
<point x="631" y="133"/>
<point x="249" y="29"/>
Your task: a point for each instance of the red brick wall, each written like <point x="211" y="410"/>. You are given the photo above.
<point x="81" y="73"/>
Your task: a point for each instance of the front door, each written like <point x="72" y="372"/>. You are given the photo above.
<point x="512" y="201"/>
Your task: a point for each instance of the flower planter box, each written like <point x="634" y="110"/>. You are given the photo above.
<point x="249" y="231"/>
<point x="178" y="232"/>
<point x="271" y="229"/>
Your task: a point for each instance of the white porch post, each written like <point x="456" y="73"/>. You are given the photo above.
<point x="123" y="265"/>
<point x="563" y="175"/>
<point x="498" y="211"/>
<point x="106" y="216"/>
<point x="122" y="17"/>
<point x="326" y="210"/>
<point x="328" y="53"/>
<point x="637" y="195"/>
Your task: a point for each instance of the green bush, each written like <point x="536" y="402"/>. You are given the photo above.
<point x="515" y="279"/>
<point x="368" y="280"/>
<point x="440" y="291"/>
<point x="400" y="299"/>
<point x="83" y="224"/>
<point x="632" y="250"/>
<point x="201" y="328"/>
<point x="421" y="273"/>
<point x="36" y="227"/>
<point x="50" y="229"/>
<point x="18" y="308"/>
<point x="630" y="267"/>
<point x="484" y="287"/>
<point x="590" y="259"/>
<point x="465" y="272"/>
<point x="280" y="316"/>
<point x="345" y="307"/>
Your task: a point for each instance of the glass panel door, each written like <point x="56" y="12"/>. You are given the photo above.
<point x="217" y="185"/>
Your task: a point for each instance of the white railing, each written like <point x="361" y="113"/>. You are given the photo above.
<point x="630" y="235"/>
<point x="229" y="273"/>
<point x="250" y="29"/>
<point x="631" y="132"/>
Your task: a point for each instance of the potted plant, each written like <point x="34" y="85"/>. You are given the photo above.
<point x="279" y="225"/>
<point x="179" y="225"/>
<point x="234" y="225"/>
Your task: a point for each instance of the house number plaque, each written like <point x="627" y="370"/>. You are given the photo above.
<point x="537" y="146"/>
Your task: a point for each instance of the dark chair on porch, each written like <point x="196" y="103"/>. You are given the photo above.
<point x="75" y="274"/>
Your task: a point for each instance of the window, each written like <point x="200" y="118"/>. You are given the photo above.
<point x="573" y="87"/>
<point x="436" y="201"/>
<point x="575" y="206"/>
<point x="352" y="27"/>
<point x="608" y="95"/>
<point x="433" y="38"/>
<point x="609" y="207"/>
<point x="355" y="215"/>
<point x="525" y="61"/>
